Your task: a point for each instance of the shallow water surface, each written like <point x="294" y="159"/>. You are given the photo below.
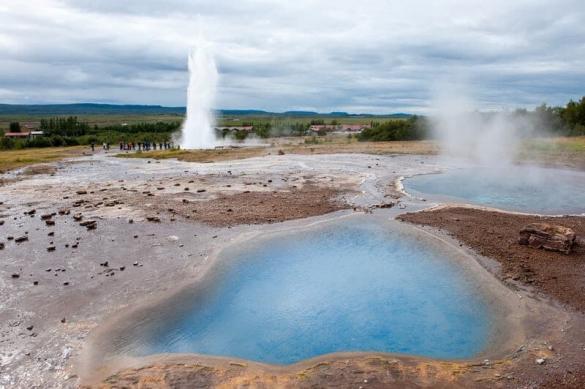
<point x="519" y="188"/>
<point x="343" y="287"/>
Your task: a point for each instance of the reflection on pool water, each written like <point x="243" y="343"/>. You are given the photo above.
<point x="519" y="188"/>
<point x="341" y="287"/>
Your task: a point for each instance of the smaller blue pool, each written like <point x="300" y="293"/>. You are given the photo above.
<point x="519" y="188"/>
<point x="351" y="286"/>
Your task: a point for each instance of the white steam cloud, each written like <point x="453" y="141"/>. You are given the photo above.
<point x="487" y="139"/>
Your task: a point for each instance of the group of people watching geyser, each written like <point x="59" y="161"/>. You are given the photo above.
<point x="145" y="146"/>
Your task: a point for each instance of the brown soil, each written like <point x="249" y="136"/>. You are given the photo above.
<point x="560" y="276"/>
<point x="373" y="371"/>
<point x="256" y="207"/>
<point x="495" y="235"/>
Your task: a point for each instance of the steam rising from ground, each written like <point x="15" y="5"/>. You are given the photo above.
<point x="198" y="129"/>
<point x="489" y="139"/>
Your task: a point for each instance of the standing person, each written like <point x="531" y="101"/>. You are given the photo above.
<point x="121" y="146"/>
<point x="92" y="146"/>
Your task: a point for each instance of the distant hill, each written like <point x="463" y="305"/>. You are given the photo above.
<point x="114" y="109"/>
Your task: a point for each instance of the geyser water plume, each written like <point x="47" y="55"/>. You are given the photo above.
<point x="198" y="129"/>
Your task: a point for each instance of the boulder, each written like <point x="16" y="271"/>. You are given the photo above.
<point x="548" y="236"/>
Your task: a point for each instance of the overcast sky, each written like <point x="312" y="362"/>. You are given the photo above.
<point x="356" y="56"/>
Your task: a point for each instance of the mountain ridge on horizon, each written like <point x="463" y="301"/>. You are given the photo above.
<point x="110" y="109"/>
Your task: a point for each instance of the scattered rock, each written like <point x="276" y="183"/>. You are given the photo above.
<point x="50" y="222"/>
<point x="30" y="328"/>
<point x="547" y="236"/>
<point x="47" y="216"/>
<point x="77" y="217"/>
<point x="81" y="192"/>
<point x="20" y="239"/>
<point x="66" y="353"/>
<point x="52" y="233"/>
<point x="15" y="275"/>
<point x="280" y="152"/>
<point x="540" y="361"/>
<point x="104" y="264"/>
<point x="51" y="248"/>
<point x="201" y="190"/>
<point x="1" y="245"/>
<point x="89" y="224"/>
<point x="154" y="219"/>
<point x="1" y="222"/>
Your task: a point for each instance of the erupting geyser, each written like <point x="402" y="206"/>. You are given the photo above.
<point x="198" y="131"/>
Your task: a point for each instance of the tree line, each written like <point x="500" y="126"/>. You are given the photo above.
<point x="70" y="131"/>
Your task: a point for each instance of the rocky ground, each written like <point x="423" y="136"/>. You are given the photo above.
<point x="93" y="236"/>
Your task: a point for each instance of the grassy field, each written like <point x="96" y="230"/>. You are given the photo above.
<point x="562" y="151"/>
<point x="568" y="152"/>
<point x="293" y="146"/>
<point x="13" y="159"/>
<point x="550" y="151"/>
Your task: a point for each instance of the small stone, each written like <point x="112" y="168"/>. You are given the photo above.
<point x="131" y="221"/>
<point x="81" y="192"/>
<point x="122" y="268"/>
<point x="63" y="320"/>
<point x="51" y="248"/>
<point x="52" y="233"/>
<point x="66" y="283"/>
<point x="540" y="361"/>
<point x="201" y="190"/>
<point x="15" y="275"/>
<point x="35" y="283"/>
<point x="104" y="264"/>
<point x="21" y="239"/>
<point x="30" y="328"/>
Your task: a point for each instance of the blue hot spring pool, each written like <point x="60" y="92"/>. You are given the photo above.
<point x="342" y="287"/>
<point x="519" y="188"/>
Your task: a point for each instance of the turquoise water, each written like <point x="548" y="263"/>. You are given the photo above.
<point x="523" y="189"/>
<point x="345" y="287"/>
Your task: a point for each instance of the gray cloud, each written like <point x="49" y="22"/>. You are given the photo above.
<point x="371" y="56"/>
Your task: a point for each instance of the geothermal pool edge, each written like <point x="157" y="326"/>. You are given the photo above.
<point x="516" y="313"/>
